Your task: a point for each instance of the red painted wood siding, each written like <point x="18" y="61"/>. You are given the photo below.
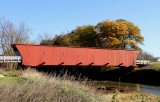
<point x="35" y="55"/>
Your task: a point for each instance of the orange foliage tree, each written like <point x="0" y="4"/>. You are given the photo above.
<point x="119" y="34"/>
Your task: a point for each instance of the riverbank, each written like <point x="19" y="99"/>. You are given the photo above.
<point x="132" y="97"/>
<point x="108" y="87"/>
<point x="149" y="75"/>
<point x="33" y="86"/>
<point x="30" y="85"/>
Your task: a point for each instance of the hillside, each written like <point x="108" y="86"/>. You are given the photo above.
<point x="30" y="85"/>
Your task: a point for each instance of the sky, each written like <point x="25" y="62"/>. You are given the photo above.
<point x="61" y="16"/>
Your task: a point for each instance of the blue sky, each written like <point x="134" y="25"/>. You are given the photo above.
<point x="60" y="16"/>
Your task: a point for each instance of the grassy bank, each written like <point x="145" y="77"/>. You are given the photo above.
<point x="149" y="75"/>
<point x="33" y="86"/>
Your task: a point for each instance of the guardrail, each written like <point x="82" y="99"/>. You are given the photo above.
<point x="8" y="59"/>
<point x="143" y="62"/>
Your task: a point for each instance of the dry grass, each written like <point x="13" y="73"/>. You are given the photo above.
<point x="33" y="86"/>
<point x="134" y="97"/>
<point x="2" y="70"/>
<point x="38" y="87"/>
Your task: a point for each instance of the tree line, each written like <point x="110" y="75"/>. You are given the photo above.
<point x="119" y="34"/>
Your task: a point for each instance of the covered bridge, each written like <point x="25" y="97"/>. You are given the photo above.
<point x="39" y="55"/>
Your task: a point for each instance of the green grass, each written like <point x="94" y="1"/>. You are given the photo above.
<point x="11" y="80"/>
<point x="12" y="73"/>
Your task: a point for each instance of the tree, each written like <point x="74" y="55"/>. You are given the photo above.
<point x="108" y="32"/>
<point x="143" y="55"/>
<point x="62" y="39"/>
<point x="119" y="34"/>
<point x="131" y="37"/>
<point x="84" y="36"/>
<point x="45" y="39"/>
<point x="10" y="34"/>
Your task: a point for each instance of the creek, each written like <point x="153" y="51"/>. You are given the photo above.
<point x="111" y="86"/>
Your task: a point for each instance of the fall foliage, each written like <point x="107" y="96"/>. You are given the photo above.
<point x="119" y="34"/>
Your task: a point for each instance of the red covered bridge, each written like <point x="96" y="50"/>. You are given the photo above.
<point x="38" y="55"/>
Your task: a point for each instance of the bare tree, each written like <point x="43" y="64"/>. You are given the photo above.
<point x="11" y="34"/>
<point x="45" y="39"/>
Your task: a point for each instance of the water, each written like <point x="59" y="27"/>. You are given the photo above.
<point x="150" y="89"/>
<point x="111" y="86"/>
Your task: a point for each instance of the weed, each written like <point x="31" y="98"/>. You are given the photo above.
<point x="137" y="87"/>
